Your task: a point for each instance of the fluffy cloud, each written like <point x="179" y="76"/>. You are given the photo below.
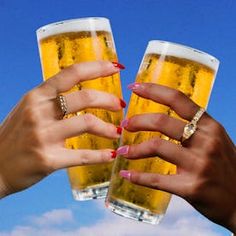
<point x="181" y="220"/>
<point x="57" y="216"/>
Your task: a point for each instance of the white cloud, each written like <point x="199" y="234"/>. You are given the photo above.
<point x="57" y="216"/>
<point x="181" y="220"/>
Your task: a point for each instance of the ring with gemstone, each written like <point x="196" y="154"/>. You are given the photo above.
<point x="191" y="127"/>
<point x="62" y="104"/>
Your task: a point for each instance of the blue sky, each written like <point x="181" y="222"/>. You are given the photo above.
<point x="48" y="208"/>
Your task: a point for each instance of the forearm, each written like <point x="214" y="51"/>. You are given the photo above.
<point x="3" y="189"/>
<point x="232" y="225"/>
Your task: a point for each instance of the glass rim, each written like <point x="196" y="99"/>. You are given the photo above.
<point x="43" y="31"/>
<point x="200" y="56"/>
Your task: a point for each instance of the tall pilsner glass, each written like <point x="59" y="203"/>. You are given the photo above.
<point x="62" y="44"/>
<point x="177" y="66"/>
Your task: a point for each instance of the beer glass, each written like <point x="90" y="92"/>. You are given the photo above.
<point x="186" y="69"/>
<point x="60" y="45"/>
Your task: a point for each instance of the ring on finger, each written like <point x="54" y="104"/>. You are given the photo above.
<point x="62" y="104"/>
<point x="191" y="127"/>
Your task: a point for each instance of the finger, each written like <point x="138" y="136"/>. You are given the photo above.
<point x="162" y="123"/>
<point x="168" y="183"/>
<point x="71" y="76"/>
<point x="88" y="98"/>
<point x="173" y="98"/>
<point x="68" y="158"/>
<point x="86" y="123"/>
<point x="164" y="149"/>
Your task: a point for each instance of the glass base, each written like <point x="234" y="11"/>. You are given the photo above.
<point x="134" y="212"/>
<point x="91" y="192"/>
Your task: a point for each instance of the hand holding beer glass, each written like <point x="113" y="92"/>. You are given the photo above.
<point x="176" y="66"/>
<point x="82" y="40"/>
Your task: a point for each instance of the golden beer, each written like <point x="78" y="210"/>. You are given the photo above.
<point x="178" y="67"/>
<point x="61" y="45"/>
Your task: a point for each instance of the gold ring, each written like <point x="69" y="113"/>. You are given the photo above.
<point x="62" y="104"/>
<point x="191" y="127"/>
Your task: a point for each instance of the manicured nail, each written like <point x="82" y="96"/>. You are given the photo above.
<point x="134" y="86"/>
<point x="113" y="154"/>
<point x="122" y="150"/>
<point x="124" y="123"/>
<point x="122" y="103"/>
<point x="119" y="130"/>
<point x="118" y="65"/>
<point x="125" y="174"/>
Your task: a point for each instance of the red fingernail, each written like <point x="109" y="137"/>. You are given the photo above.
<point x="118" y="65"/>
<point x="113" y="154"/>
<point x="122" y="150"/>
<point x="125" y="174"/>
<point x="122" y="103"/>
<point x="124" y="123"/>
<point x="119" y="130"/>
<point x="134" y="86"/>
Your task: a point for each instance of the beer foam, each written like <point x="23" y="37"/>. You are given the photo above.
<point x="182" y="51"/>
<point x="74" y="25"/>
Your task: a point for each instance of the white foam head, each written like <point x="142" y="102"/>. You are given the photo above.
<point x="181" y="51"/>
<point x="74" y="25"/>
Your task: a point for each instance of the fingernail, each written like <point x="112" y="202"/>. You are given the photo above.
<point x="122" y="103"/>
<point x="113" y="154"/>
<point x="122" y="150"/>
<point x="119" y="130"/>
<point x="134" y="86"/>
<point x="125" y="174"/>
<point x="118" y="65"/>
<point x="124" y="123"/>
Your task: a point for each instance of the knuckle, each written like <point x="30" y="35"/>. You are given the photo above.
<point x="41" y="160"/>
<point x="48" y="87"/>
<point x="84" y="160"/>
<point x="88" y="96"/>
<point x="203" y="165"/>
<point x="216" y="128"/>
<point x="191" y="194"/>
<point x="153" y="144"/>
<point x="160" y="120"/>
<point x="113" y="102"/>
<point x="76" y="68"/>
<point x="90" y="121"/>
<point x="44" y="162"/>
<point x="154" y="181"/>
<point x="135" y="177"/>
<point x="212" y="145"/>
<point x="197" y="189"/>
<point x="147" y="87"/>
<point x="176" y="95"/>
<point x="31" y="116"/>
<point x="30" y="97"/>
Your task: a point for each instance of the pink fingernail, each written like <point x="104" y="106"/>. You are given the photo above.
<point x="134" y="86"/>
<point x="125" y="174"/>
<point x="124" y="123"/>
<point x="122" y="150"/>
